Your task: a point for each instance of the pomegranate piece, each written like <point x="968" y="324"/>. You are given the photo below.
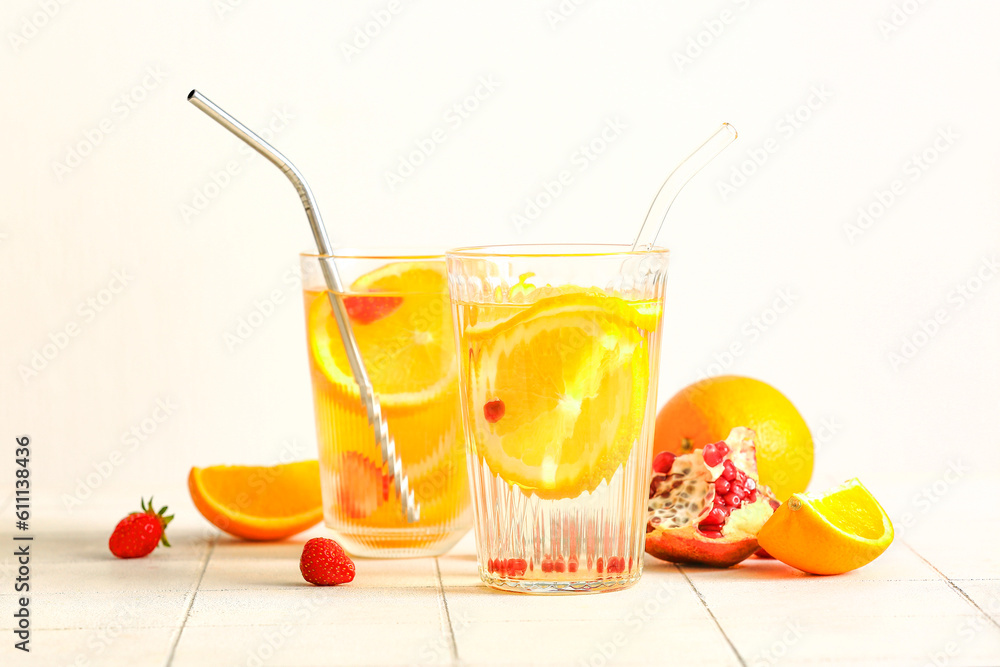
<point x="368" y="309"/>
<point x="663" y="462"/>
<point x="713" y="454"/>
<point x="709" y="505"/>
<point x="510" y="567"/>
<point x="494" y="410"/>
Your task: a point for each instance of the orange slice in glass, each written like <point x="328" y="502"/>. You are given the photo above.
<point x="401" y="319"/>
<point x="831" y="533"/>
<point x="557" y="393"/>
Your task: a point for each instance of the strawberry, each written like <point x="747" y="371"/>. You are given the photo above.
<point x="138" y="534"/>
<point x="324" y="563"/>
<point x="367" y="309"/>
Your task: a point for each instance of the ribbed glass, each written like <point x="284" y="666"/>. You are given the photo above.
<point x="360" y="503"/>
<point x="542" y="543"/>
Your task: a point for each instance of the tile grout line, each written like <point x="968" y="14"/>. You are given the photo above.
<point x="193" y="593"/>
<point x="955" y="587"/>
<point x="701" y="598"/>
<point x="452" y="644"/>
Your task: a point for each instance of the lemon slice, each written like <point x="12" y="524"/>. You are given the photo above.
<point x="401" y="318"/>
<point x="556" y="394"/>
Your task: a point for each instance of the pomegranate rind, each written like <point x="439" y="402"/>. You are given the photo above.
<point x="688" y="545"/>
<point x="683" y="497"/>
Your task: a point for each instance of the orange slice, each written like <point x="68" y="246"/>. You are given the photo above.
<point x="258" y="502"/>
<point x="571" y="373"/>
<point x="405" y="335"/>
<point x="831" y="533"/>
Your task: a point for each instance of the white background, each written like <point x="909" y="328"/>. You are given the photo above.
<point x="139" y="198"/>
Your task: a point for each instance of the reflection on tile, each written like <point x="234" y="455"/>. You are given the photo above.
<point x="897" y="563"/>
<point x="816" y="597"/>
<point x="128" y="576"/>
<point x="81" y="610"/>
<point x="843" y="637"/>
<point x="311" y="645"/>
<point x="635" y="642"/>
<point x="110" y="646"/>
<point x="277" y="565"/>
<point x="654" y="596"/>
<point x="315" y="605"/>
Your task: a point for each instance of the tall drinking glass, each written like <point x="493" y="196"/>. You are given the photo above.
<point x="401" y="316"/>
<point x="559" y="352"/>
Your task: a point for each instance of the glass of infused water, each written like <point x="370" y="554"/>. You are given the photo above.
<point x="558" y="352"/>
<point x="401" y="318"/>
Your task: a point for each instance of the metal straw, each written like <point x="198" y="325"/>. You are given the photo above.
<point x="335" y="288"/>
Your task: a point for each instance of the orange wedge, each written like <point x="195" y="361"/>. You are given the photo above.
<point x="259" y="502"/>
<point x="831" y="533"/>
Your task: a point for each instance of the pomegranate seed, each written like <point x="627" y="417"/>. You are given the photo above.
<point x="752" y="498"/>
<point x="710" y="533"/>
<point x="738" y="491"/>
<point x="600" y="565"/>
<point x="712" y="456"/>
<point x="722" y="447"/>
<point x="560" y="565"/>
<point x="741" y="476"/>
<point x="716" y="516"/>
<point x="721" y="486"/>
<point x="773" y="503"/>
<point x="491" y="566"/>
<point x="516" y="567"/>
<point x="720" y="500"/>
<point x="494" y="411"/>
<point x="574" y="565"/>
<point x="546" y="564"/>
<point x="663" y="462"/>
<point x="728" y="471"/>
<point x="733" y="500"/>
<point x="616" y="565"/>
<point x="750" y="484"/>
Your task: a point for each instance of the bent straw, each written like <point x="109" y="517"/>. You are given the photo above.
<point x="676" y="181"/>
<point x="411" y="509"/>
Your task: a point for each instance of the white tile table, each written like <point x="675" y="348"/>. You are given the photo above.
<point x="932" y="599"/>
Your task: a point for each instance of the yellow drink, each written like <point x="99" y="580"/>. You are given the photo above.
<point x="558" y="389"/>
<point x="401" y="318"/>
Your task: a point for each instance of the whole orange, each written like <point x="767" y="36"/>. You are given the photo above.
<point x="705" y="412"/>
